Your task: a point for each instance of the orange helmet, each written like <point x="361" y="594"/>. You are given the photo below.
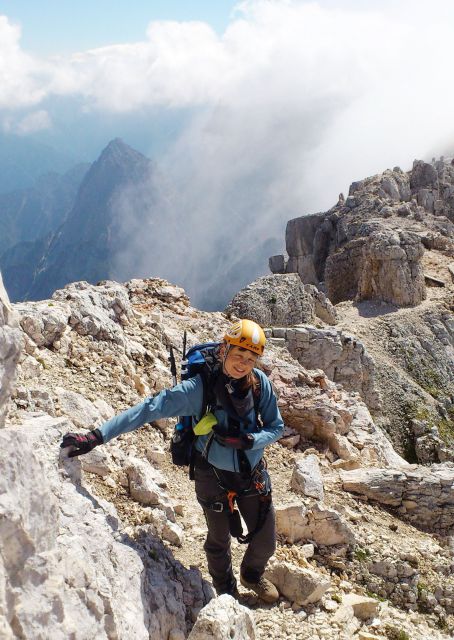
<point x="246" y="334"/>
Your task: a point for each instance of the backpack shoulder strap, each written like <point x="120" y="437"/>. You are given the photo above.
<point x="257" y="393"/>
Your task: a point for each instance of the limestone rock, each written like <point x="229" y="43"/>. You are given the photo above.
<point x="224" y="618"/>
<point x="79" y="410"/>
<point x="306" y="477"/>
<point x="274" y="300"/>
<point x="392" y="269"/>
<point x="324" y="309"/>
<point x="30" y="368"/>
<point x="363" y="607"/>
<point x="365" y="247"/>
<point x="43" y="321"/>
<point x="98" y="311"/>
<point x="164" y="528"/>
<point x="306" y="242"/>
<point x="297" y="584"/>
<point x="423" y="175"/>
<point x="34" y="399"/>
<point x="98" y="461"/>
<point x="144" y="488"/>
<point x="10" y="346"/>
<point x="320" y="525"/>
<point x="315" y="408"/>
<point x="277" y="264"/>
<point x="106" y="411"/>
<point x="50" y="566"/>
<point x="342" y="357"/>
<point x="423" y="495"/>
<point x="79" y="575"/>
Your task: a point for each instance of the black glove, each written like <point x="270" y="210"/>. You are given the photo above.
<point x="241" y="441"/>
<point x="83" y="442"/>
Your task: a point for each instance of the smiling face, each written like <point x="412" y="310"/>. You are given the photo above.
<point x="239" y="362"/>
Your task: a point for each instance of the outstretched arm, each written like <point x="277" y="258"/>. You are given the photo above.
<point x="185" y="399"/>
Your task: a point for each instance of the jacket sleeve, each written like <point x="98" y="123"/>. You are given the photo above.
<point x="185" y="399"/>
<point x="273" y="425"/>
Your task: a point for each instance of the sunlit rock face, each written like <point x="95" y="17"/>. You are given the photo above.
<point x="10" y="345"/>
<point x="370" y="245"/>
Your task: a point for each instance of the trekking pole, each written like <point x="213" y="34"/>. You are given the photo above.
<point x="173" y="366"/>
<point x="185" y="335"/>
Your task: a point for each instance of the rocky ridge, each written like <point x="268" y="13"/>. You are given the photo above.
<point x="385" y="257"/>
<point x="371" y="244"/>
<point x="345" y="567"/>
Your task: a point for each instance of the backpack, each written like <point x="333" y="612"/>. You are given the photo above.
<point x="200" y="359"/>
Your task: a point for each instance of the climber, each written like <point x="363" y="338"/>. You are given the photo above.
<point x="229" y="469"/>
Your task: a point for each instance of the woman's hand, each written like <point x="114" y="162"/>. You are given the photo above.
<point x="81" y="443"/>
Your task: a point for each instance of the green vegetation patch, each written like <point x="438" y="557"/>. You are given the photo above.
<point x="393" y="633"/>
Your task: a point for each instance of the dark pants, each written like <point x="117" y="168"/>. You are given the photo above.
<point x="217" y="544"/>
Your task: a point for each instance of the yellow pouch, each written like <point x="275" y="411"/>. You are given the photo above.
<point x="204" y="426"/>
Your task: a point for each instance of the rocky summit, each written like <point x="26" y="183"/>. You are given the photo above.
<point x="110" y="545"/>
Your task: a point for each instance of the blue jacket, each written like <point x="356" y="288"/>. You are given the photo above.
<point x="185" y="399"/>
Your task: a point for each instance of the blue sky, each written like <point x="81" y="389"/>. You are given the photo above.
<point x="65" y="26"/>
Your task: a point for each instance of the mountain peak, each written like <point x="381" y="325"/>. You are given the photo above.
<point x="117" y="151"/>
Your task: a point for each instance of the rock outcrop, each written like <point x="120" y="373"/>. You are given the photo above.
<point x="323" y="526"/>
<point x="10" y="345"/>
<point x="281" y="300"/>
<point x="341" y="356"/>
<point x="67" y="569"/>
<point x="370" y="246"/>
<point x="392" y="269"/>
<point x="423" y="496"/>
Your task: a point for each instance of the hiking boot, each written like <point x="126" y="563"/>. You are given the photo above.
<point x="265" y="589"/>
<point x="229" y="588"/>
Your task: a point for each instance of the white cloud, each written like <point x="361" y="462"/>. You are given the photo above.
<point x="309" y="99"/>
<point x="293" y="101"/>
<point x="32" y="122"/>
<point x="21" y="76"/>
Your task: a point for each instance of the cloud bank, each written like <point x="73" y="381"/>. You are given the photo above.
<point x="291" y="103"/>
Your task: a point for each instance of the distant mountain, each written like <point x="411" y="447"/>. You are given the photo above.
<point x="22" y="161"/>
<point x="29" y="214"/>
<point x="84" y="246"/>
<point x="19" y="265"/>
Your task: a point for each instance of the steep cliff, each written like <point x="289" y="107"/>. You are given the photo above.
<point x="371" y="245"/>
<point x="385" y="258"/>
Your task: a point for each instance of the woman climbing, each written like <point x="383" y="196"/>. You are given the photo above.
<point x="228" y="465"/>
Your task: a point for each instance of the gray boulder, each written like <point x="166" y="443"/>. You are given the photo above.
<point x="274" y="300"/>
<point x="299" y="585"/>
<point x="282" y="300"/>
<point x="44" y="321"/>
<point x="321" y="525"/>
<point x="306" y="477"/>
<point x="98" y="311"/>
<point x="423" y="175"/>
<point x="66" y="567"/>
<point x="224" y="618"/>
